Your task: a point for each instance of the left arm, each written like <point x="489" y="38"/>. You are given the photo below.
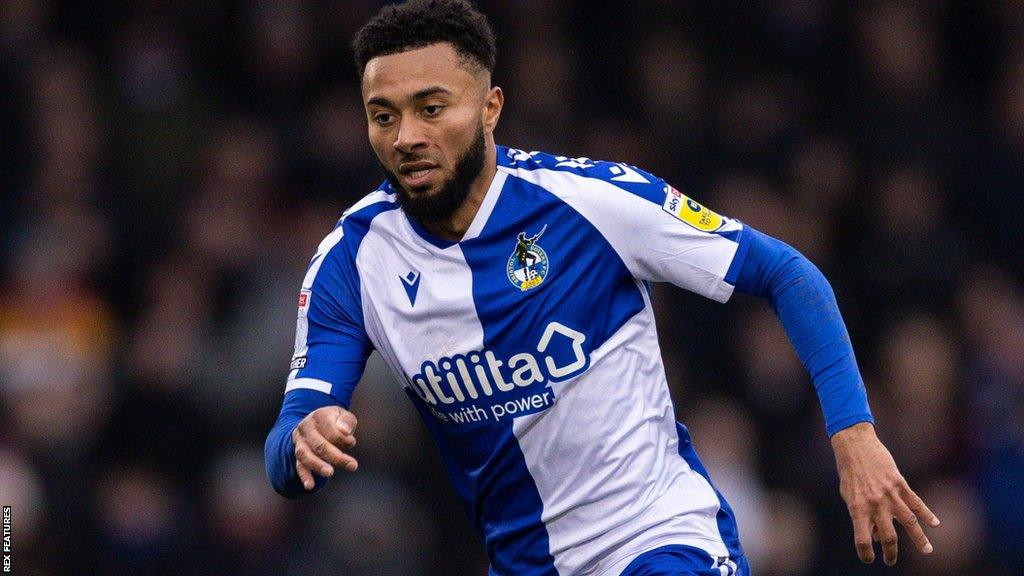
<point x="661" y="235"/>
<point x="870" y="483"/>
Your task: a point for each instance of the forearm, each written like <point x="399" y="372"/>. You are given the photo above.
<point x="279" y="450"/>
<point x="806" y="305"/>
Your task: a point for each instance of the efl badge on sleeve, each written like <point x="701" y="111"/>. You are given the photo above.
<point x="528" y="264"/>
<point x="304" y="296"/>
<point x="689" y="211"/>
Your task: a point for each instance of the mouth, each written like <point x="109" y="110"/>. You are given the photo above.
<point x="416" y="174"/>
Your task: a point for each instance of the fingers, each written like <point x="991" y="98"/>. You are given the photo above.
<point x="334" y="418"/>
<point x="304" y="475"/>
<point x="875" y="522"/>
<point x="918" y="506"/>
<point x="887" y="538"/>
<point x="316" y="455"/>
<point x="306" y="459"/>
<point x="862" y="537"/>
<point x="319" y="440"/>
<point x="328" y="453"/>
<point x="910" y="523"/>
<point x="876" y="495"/>
<point x="337" y="428"/>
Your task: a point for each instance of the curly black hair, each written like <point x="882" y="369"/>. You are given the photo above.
<point x="418" y="23"/>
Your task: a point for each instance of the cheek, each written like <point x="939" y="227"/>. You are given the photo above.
<point x="379" y="143"/>
<point x="460" y="135"/>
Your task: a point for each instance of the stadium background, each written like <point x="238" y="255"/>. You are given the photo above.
<point x="169" y="166"/>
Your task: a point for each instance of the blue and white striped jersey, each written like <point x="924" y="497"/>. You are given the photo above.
<point x="529" y="349"/>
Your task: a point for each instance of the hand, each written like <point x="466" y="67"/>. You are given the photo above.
<point x="876" y="493"/>
<point x="319" y="439"/>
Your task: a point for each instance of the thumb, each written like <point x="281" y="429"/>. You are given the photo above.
<point x="343" y="420"/>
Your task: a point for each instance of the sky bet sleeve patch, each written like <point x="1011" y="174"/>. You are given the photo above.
<point x="689" y="211"/>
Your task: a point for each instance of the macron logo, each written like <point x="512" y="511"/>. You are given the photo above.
<point x="411" y="282"/>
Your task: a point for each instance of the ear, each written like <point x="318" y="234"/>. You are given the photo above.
<point x="493" y="102"/>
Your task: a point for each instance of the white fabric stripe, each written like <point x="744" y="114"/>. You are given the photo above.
<point x="443" y="322"/>
<point x="625" y="490"/>
<point x="653" y="244"/>
<point x="486" y="207"/>
<point x="308" y="384"/>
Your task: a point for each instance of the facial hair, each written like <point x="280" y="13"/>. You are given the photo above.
<point x="440" y="206"/>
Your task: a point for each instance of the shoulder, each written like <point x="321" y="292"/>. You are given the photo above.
<point x="337" y="250"/>
<point x="355" y="221"/>
<point x="551" y="170"/>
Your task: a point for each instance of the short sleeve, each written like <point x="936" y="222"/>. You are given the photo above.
<point x="661" y="234"/>
<point x="676" y="239"/>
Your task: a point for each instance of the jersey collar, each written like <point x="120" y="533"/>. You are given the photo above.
<point x="479" y="220"/>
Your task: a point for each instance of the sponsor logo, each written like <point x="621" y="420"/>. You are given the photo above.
<point x="298" y="363"/>
<point x="690" y="212"/>
<point x="454" y="386"/>
<point x="528" y="265"/>
<point x="411" y="282"/>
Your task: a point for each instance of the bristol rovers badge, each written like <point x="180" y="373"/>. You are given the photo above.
<point x="528" y="264"/>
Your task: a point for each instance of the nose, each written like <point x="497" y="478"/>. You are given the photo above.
<point x="411" y="136"/>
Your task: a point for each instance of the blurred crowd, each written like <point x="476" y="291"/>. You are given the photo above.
<point x="168" y="167"/>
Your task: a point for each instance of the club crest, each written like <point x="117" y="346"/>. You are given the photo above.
<point x="528" y="264"/>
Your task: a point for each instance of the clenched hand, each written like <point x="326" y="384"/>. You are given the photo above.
<point x="876" y="494"/>
<point x="320" y="440"/>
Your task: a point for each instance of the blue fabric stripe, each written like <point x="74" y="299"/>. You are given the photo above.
<point x="488" y="472"/>
<point x="509" y="506"/>
<point x="679" y="559"/>
<point x="459" y="476"/>
<point x="336" y="335"/>
<point x="337" y="348"/>
<point x="581" y="262"/>
<point x="506" y="505"/>
<point x="653" y="190"/>
<point x="741" y="255"/>
<point x="725" y="519"/>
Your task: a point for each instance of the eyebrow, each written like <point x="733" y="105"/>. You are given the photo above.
<point x="419" y="95"/>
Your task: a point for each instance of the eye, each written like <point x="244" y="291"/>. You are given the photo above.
<point x="432" y="110"/>
<point x="383" y="118"/>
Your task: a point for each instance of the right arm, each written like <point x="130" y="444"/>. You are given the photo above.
<point x="315" y="429"/>
<point x="306" y="443"/>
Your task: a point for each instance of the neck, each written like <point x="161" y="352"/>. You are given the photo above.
<point x="454" y="228"/>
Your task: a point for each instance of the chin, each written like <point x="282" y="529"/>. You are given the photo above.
<point x="424" y="191"/>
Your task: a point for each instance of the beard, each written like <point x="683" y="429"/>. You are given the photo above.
<point x="440" y="206"/>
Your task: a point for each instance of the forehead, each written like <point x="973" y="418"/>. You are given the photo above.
<point x="398" y="76"/>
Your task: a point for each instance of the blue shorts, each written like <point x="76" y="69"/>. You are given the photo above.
<point x="679" y="560"/>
